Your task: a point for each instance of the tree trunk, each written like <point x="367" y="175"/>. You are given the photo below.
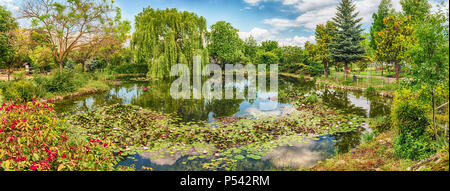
<point x="61" y="66"/>
<point x="82" y="66"/>
<point x="434" y="117"/>
<point x="325" y="66"/>
<point x="9" y="74"/>
<point x="346" y="71"/>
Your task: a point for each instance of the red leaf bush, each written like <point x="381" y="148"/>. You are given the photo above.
<point x="32" y="138"/>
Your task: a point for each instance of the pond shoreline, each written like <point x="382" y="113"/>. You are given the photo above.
<point x="340" y="87"/>
<point x="81" y="92"/>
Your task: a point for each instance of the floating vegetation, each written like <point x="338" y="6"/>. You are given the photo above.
<point x="135" y="130"/>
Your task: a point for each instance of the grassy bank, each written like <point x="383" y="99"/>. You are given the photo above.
<point x="56" y="86"/>
<point x="375" y="85"/>
<point x="378" y="155"/>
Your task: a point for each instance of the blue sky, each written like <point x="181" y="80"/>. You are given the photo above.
<point x="290" y="22"/>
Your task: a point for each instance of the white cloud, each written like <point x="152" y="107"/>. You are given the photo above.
<point x="258" y="34"/>
<point x="281" y="24"/>
<point x="9" y="4"/>
<point x="253" y="2"/>
<point x="296" y="41"/>
<point x="314" y="12"/>
<point x="261" y="35"/>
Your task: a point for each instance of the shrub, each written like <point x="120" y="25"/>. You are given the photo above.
<point x="370" y="91"/>
<point x="410" y="120"/>
<point x="315" y="69"/>
<point x="61" y="82"/>
<point x="311" y="99"/>
<point x="132" y="68"/>
<point x="33" y="138"/>
<point x="380" y="124"/>
<point x="22" y="90"/>
<point x="368" y="136"/>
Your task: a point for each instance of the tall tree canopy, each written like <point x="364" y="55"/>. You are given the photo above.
<point x="346" y="46"/>
<point x="8" y="27"/>
<point x="384" y="9"/>
<point x="324" y="37"/>
<point x="167" y="37"/>
<point x="69" y="24"/>
<point x="417" y="9"/>
<point x="430" y="59"/>
<point x="269" y="45"/>
<point x="393" y="41"/>
<point x="225" y="43"/>
<point x="251" y="49"/>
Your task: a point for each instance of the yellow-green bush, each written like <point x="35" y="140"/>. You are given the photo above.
<point x="410" y="120"/>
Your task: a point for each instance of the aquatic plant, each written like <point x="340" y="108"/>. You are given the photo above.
<point x="135" y="130"/>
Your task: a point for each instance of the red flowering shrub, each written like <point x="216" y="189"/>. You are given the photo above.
<point x="33" y="138"/>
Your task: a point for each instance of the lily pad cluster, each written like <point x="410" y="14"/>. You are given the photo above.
<point x="136" y="130"/>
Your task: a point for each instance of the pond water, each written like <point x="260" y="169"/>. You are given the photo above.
<point x="155" y="95"/>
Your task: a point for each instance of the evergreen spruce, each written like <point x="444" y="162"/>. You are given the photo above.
<point x="346" y="46"/>
<point x="384" y="9"/>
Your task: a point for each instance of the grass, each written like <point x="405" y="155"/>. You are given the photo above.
<point x="377" y="154"/>
<point x="374" y="155"/>
<point x="380" y="84"/>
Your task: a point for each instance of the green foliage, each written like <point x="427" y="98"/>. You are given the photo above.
<point x="384" y="9"/>
<point x="311" y="99"/>
<point x="21" y="90"/>
<point x="269" y="45"/>
<point x="416" y="9"/>
<point x="131" y="68"/>
<point x="368" y="136"/>
<point x="393" y="41"/>
<point x="69" y="24"/>
<point x="380" y="125"/>
<point x="267" y="58"/>
<point x="370" y="91"/>
<point x="164" y="38"/>
<point x="324" y="36"/>
<point x="32" y="138"/>
<point x="225" y="43"/>
<point x="410" y="120"/>
<point x="61" y="82"/>
<point x="42" y="58"/>
<point x="346" y="46"/>
<point x="429" y="56"/>
<point x="250" y="49"/>
<point x="7" y="25"/>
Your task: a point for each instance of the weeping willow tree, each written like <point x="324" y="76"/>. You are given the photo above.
<point x="167" y="37"/>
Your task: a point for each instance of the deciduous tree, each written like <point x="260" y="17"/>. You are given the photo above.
<point x="324" y="37"/>
<point x="68" y="24"/>
<point x="167" y="37"/>
<point x="225" y="43"/>
<point x="393" y="41"/>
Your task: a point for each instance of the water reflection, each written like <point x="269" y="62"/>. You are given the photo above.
<point x="297" y="155"/>
<point x="157" y="98"/>
<point x="287" y="157"/>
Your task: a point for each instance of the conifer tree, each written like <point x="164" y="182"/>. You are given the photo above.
<point x="346" y="46"/>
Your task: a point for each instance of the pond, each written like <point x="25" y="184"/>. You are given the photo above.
<point x="155" y="95"/>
